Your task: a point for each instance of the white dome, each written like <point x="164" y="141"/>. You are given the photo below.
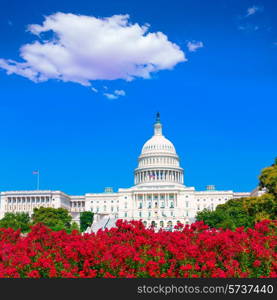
<point x="158" y="162"/>
<point x="158" y="144"/>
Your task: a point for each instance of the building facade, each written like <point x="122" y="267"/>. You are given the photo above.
<point x="159" y="197"/>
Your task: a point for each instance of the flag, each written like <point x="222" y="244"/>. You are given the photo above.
<point x="35" y="172"/>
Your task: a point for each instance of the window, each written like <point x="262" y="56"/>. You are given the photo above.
<point x="149" y="204"/>
<point x="171" y="196"/>
<point x="112" y="208"/>
<point x="198" y="207"/>
<point x="149" y="197"/>
<point x="149" y="214"/>
<point x="125" y="204"/>
<point x="97" y="209"/>
<point x="187" y="204"/>
<point x="162" y="205"/>
<point x="156" y="204"/>
<point x="171" y="204"/>
<point x="140" y="214"/>
<point x="140" y="205"/>
<point x="105" y="207"/>
<point x="125" y="215"/>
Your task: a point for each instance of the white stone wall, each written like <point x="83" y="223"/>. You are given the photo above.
<point x="26" y="201"/>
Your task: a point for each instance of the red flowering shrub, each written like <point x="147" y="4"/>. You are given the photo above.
<point x="131" y="250"/>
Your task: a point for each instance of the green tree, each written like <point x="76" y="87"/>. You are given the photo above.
<point x="246" y="211"/>
<point x="86" y="219"/>
<point x="268" y="178"/>
<point x="54" y="218"/>
<point x="229" y="215"/>
<point x="16" y="221"/>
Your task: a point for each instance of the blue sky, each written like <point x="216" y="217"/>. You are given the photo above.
<point x="218" y="107"/>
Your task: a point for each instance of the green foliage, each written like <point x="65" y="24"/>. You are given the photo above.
<point x="246" y="211"/>
<point x="86" y="219"/>
<point x="229" y="215"/>
<point x="16" y="221"/>
<point x="74" y="226"/>
<point x="263" y="207"/>
<point x="54" y="218"/>
<point x="268" y="178"/>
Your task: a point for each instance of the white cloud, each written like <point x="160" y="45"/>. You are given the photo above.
<point x="84" y="48"/>
<point x="193" y="45"/>
<point x="119" y="92"/>
<point x="116" y="94"/>
<point x="253" y="9"/>
<point x="94" y="89"/>
<point x="110" y="96"/>
<point x="248" y="27"/>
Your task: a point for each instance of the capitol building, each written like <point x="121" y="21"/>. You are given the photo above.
<point x="159" y="196"/>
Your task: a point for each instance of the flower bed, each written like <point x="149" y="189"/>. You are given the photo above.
<point x="130" y="250"/>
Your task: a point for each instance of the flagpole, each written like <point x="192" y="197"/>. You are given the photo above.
<point x="38" y="180"/>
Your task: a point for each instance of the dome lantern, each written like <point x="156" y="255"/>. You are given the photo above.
<point x="158" y="125"/>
